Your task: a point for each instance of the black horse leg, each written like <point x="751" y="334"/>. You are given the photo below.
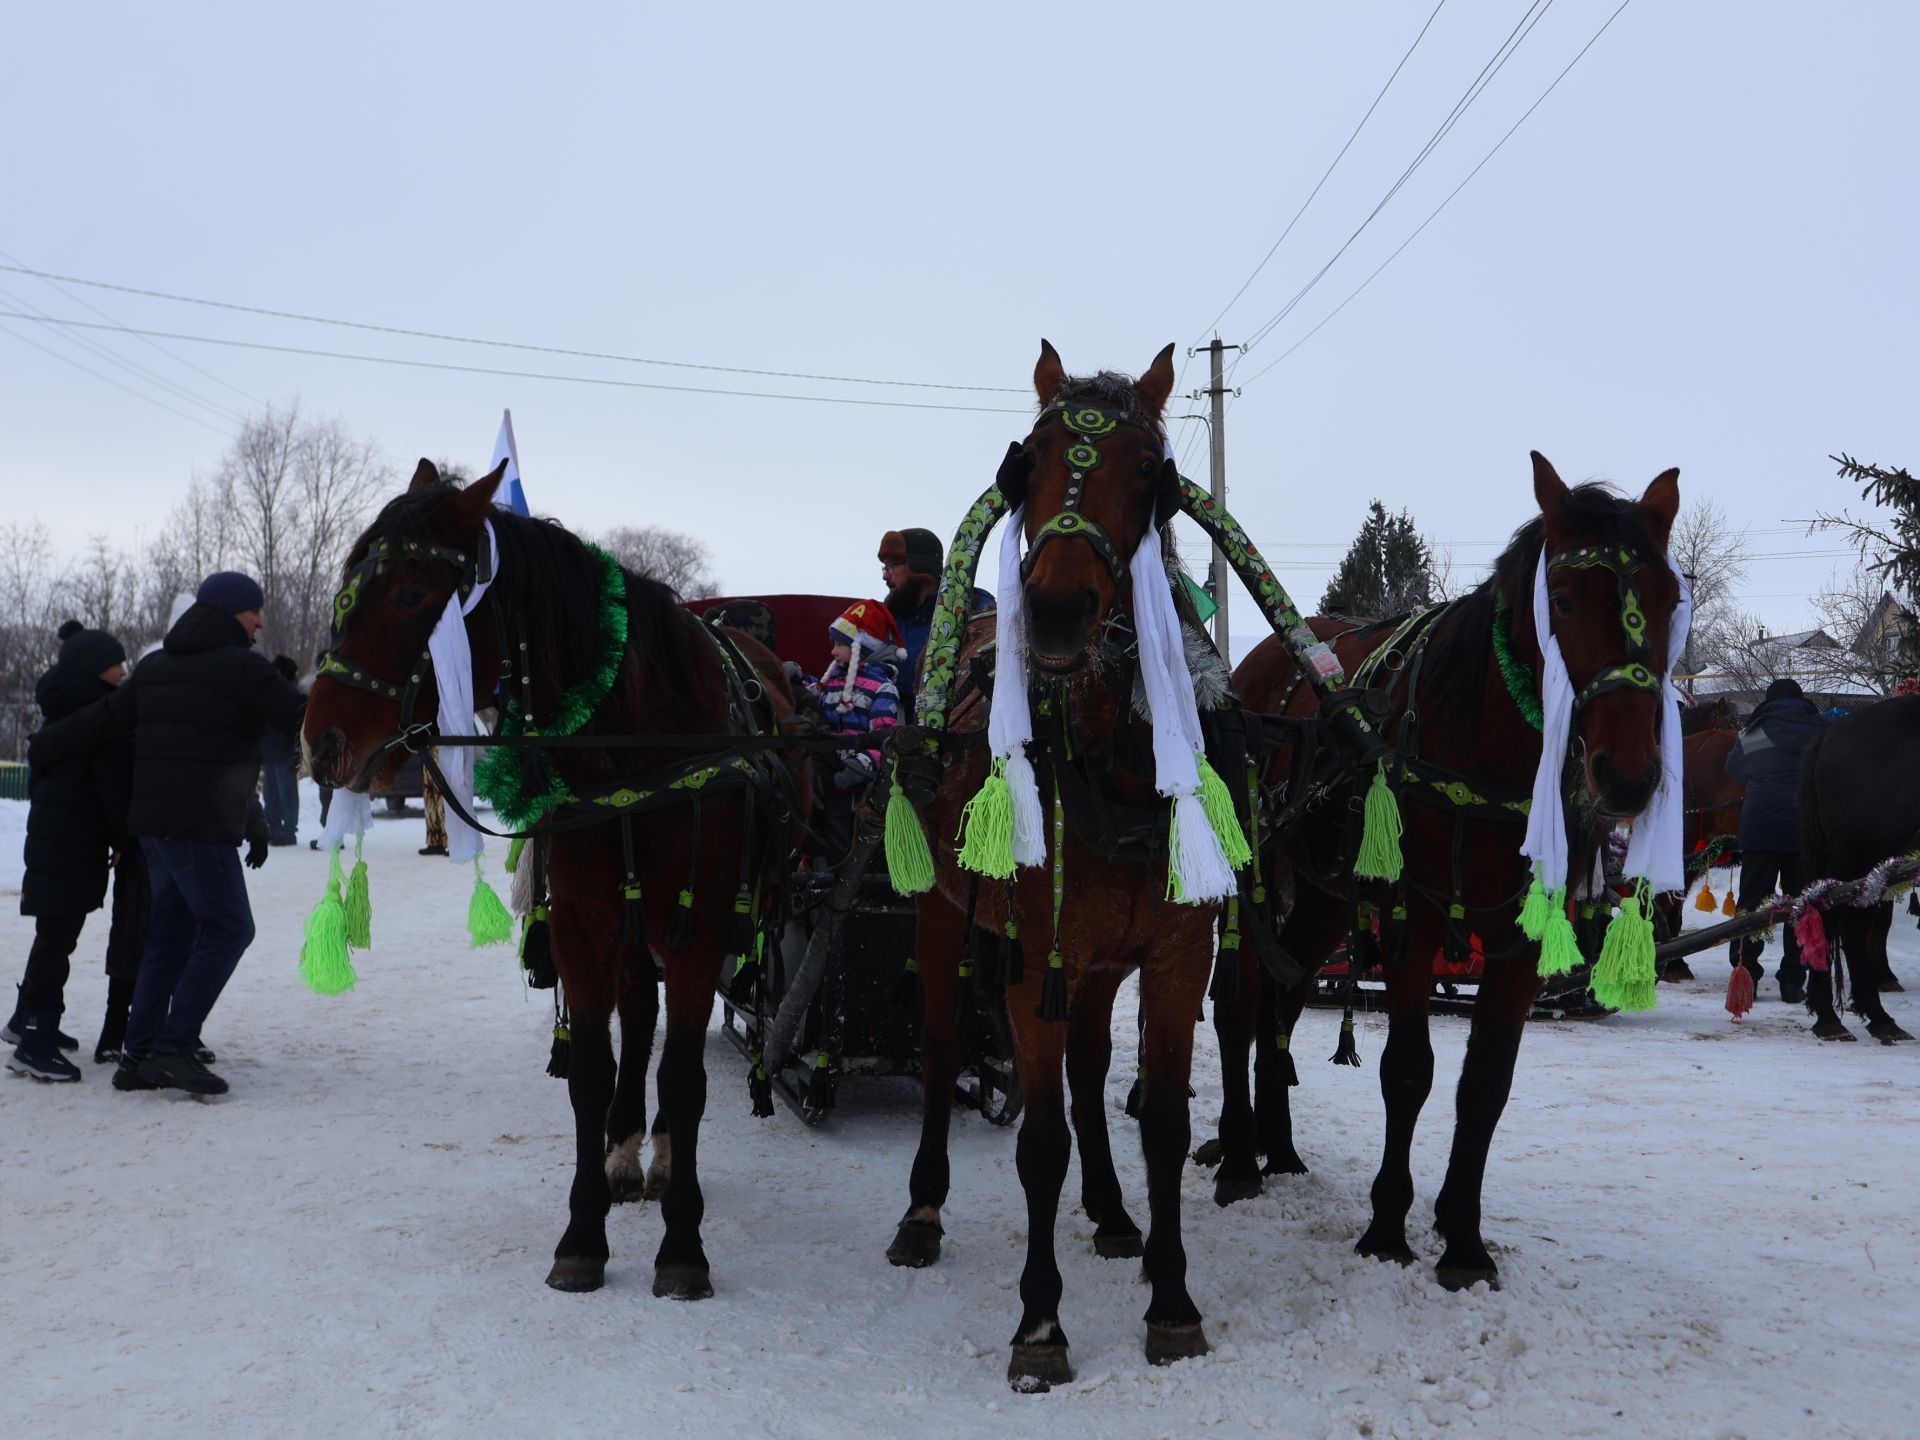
<point x="1406" y="1079"/>
<point x="1507" y="991"/>
<point x="1275" y="1073"/>
<point x="680" y="1268"/>
<point x="580" y="1259"/>
<point x="938" y="940"/>
<point x="1865" y="939"/>
<point x="1170" y="995"/>
<point x="1089" y="1057"/>
<point x="627" y="1117"/>
<point x="1235" y="1026"/>
<point x="1039" y="1360"/>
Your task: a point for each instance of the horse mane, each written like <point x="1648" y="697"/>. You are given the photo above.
<point x="548" y="579"/>
<point x="1460" y="653"/>
<point x="1111" y="391"/>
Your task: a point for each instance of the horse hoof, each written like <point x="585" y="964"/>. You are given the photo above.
<point x="682" y="1282"/>
<point x="1832" y="1030"/>
<point x="1288" y="1164"/>
<point x="577" y="1274"/>
<point x="916" y="1244"/>
<point x="1465" y="1277"/>
<point x="1036" y="1369"/>
<point x="656" y="1185"/>
<point x="1887" y="1031"/>
<point x="1677" y="970"/>
<point x="1231" y="1189"/>
<point x="625" y="1186"/>
<point x="1168" y="1343"/>
<point x="1121" y="1245"/>
<point x="1890" y="985"/>
<point x="1210" y="1154"/>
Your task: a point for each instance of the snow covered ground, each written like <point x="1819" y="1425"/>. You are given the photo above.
<point x="1705" y="1229"/>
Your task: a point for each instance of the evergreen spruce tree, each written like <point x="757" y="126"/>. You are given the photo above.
<point x="1387" y="570"/>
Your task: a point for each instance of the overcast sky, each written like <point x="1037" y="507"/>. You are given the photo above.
<point x="1699" y="252"/>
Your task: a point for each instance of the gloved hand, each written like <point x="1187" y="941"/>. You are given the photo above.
<point x="856" y="769"/>
<point x="256" y="851"/>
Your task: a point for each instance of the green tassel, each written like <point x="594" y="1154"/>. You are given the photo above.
<point x="1379" y="857"/>
<point x="909" y="861"/>
<point x="1537" y="911"/>
<point x="987" y="825"/>
<point x="359" y="901"/>
<point x="1559" y="941"/>
<point x="1623" y="976"/>
<point x="324" y="962"/>
<point x="488" y="922"/>
<point x="513" y="854"/>
<point x="1218" y="804"/>
<point x="1053" y="991"/>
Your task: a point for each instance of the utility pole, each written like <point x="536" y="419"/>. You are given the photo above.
<point x="1217" y="476"/>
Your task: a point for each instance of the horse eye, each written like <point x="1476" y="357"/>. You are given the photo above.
<point x="1563" y="604"/>
<point x="1148" y="468"/>
<point x="409" y="598"/>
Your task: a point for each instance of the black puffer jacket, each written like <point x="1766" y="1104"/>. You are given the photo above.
<point x="1767" y="760"/>
<point x="197" y="709"/>
<point x="78" y="810"/>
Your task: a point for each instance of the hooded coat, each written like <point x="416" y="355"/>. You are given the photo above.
<point x="1767" y="761"/>
<point x="77" y="811"/>
<point x="197" y="709"/>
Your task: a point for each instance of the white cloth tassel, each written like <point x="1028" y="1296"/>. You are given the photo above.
<point x="1177" y="742"/>
<point x="1658" y="847"/>
<point x="522" y="903"/>
<point x="1546" y="839"/>
<point x="347" y="814"/>
<point x="453" y="676"/>
<point x="1010" y="719"/>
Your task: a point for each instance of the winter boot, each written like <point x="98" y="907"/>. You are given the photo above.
<point x="113" y="1029"/>
<point x="11" y="1032"/>
<point x="126" y="1074"/>
<point x="180" y="1072"/>
<point x="38" y="1054"/>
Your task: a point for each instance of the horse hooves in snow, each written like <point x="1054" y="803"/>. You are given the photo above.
<point x="682" y="1282"/>
<point x="577" y="1274"/>
<point x="1465" y="1277"/>
<point x="1286" y="1163"/>
<point x="1832" y="1030"/>
<point x="1676" y="970"/>
<point x="1120" y="1244"/>
<point x="916" y="1244"/>
<point x="1887" y="1031"/>
<point x="1378" y="1245"/>
<point x="1036" y="1369"/>
<point x="1231" y="1189"/>
<point x="1168" y="1343"/>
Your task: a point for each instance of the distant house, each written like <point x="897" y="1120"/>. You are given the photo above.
<point x="1826" y="670"/>
<point x="1889" y="639"/>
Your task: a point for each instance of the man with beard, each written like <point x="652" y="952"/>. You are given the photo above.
<point x="910" y="562"/>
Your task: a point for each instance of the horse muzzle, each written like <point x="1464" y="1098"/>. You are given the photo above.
<point x="1617" y="796"/>
<point x="1061" y="625"/>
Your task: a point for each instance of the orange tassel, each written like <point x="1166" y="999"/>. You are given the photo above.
<point x="1739" y="992"/>
<point x="1706" y="900"/>
<point x="1726" y="906"/>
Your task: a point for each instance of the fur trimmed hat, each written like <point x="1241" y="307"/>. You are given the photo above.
<point x="867" y="624"/>
<point x="919" y="550"/>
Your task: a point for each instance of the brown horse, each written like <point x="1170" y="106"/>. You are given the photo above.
<point x="1113" y="917"/>
<point x="1458" y="852"/>
<point x="544" y="607"/>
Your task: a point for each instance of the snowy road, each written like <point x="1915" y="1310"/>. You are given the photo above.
<point x="1704" y="1230"/>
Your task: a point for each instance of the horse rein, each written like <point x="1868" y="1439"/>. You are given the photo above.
<point x="1635" y="672"/>
<point x="1083" y="457"/>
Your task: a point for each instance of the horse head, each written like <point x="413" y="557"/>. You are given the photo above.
<point x="1093" y="471"/>
<point x="372" y="691"/>
<point x="1610" y="601"/>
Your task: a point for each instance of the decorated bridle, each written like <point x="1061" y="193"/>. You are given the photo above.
<point x="1089" y="423"/>
<point x="1636" y="672"/>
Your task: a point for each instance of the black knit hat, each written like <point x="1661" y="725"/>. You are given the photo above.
<point x="91" y="651"/>
<point x="1784" y="689"/>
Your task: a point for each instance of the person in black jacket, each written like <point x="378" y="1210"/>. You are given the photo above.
<point x="76" y="825"/>
<point x="1767" y="760"/>
<point x="197" y="709"/>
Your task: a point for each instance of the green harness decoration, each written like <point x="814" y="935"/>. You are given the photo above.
<point x="1521" y="688"/>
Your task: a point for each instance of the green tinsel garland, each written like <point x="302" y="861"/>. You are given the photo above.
<point x="499" y="775"/>
<point x="1526" y="696"/>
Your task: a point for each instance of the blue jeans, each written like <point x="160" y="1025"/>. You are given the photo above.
<point x="201" y="926"/>
<point x="280" y="799"/>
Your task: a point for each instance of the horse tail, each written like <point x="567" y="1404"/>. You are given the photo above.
<point x="1813" y="831"/>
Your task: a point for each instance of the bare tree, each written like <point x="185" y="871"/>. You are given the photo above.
<point x="675" y="560"/>
<point x="1712" y="553"/>
<point x="1876" y="645"/>
<point x="31" y="580"/>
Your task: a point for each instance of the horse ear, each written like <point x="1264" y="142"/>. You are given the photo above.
<point x="1048" y="374"/>
<point x="1156" y="383"/>
<point x="1013" y="475"/>
<point x="424" y="474"/>
<point x="1549" y="490"/>
<point x="474" y="503"/>
<point x="1166" y="492"/>
<point x="1662" y="500"/>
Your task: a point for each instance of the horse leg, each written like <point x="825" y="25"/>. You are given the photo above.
<point x="1865" y="933"/>
<point x="1314" y="931"/>
<point x="1170" y="995"/>
<point x="1235" y="1025"/>
<point x="1507" y="991"/>
<point x="1406" y="1079"/>
<point x="1089" y="1057"/>
<point x="680" y="1267"/>
<point x="1039" y="1359"/>
<point x="627" y="1116"/>
<point x="939" y="937"/>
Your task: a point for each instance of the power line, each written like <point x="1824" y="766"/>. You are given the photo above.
<point x="524" y="374"/>
<point x="497" y="344"/>
<point x="1535" y="12"/>
<point x="1214" y="323"/>
<point x="150" y="344"/>
<point x="137" y="394"/>
<point x="1449" y="200"/>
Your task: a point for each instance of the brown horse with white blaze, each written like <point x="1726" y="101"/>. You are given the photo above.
<point x="1610" y="591"/>
<point x="1084" y="518"/>
<point x="537" y="635"/>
